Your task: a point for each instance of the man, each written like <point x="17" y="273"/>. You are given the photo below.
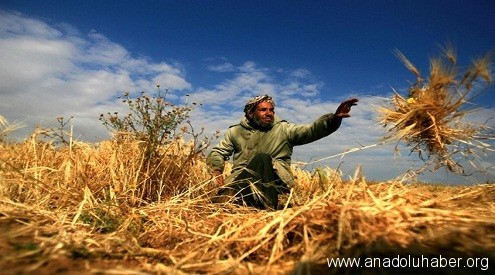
<point x="262" y="147"/>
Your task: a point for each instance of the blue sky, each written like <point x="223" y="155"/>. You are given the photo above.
<point x="73" y="58"/>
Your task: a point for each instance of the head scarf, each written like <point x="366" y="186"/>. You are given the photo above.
<point x="252" y="103"/>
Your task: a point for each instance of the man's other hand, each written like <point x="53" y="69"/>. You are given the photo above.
<point x="217" y="174"/>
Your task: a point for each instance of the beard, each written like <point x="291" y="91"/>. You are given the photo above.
<point x="259" y="124"/>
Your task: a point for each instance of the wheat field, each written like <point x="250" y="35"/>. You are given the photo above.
<point x="81" y="208"/>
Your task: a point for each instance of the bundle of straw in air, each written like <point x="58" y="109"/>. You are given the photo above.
<point x="432" y="118"/>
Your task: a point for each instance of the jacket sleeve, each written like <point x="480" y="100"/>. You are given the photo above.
<point x="221" y="152"/>
<point x="306" y="133"/>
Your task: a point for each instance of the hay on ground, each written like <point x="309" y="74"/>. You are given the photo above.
<point x="73" y="209"/>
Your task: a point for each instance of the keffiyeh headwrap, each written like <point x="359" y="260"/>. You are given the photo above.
<point x="252" y="103"/>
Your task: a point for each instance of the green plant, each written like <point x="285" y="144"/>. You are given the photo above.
<point x="153" y="120"/>
<point x="159" y="126"/>
<point x="102" y="219"/>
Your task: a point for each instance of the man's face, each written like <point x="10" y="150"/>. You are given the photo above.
<point x="263" y="115"/>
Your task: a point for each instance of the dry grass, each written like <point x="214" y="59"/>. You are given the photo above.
<point x="431" y="120"/>
<point x="77" y="208"/>
<point x="6" y="127"/>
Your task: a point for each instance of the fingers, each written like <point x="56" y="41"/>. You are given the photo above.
<point x="345" y="107"/>
<point x="351" y="102"/>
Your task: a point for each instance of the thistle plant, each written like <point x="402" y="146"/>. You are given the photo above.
<point x="159" y="126"/>
<point x="153" y="120"/>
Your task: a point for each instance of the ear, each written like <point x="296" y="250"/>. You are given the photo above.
<point x="250" y="115"/>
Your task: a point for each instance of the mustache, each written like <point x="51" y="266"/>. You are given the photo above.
<point x="261" y="124"/>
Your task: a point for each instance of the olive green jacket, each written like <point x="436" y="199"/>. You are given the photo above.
<point x="244" y="142"/>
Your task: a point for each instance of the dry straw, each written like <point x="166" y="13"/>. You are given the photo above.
<point x="74" y="208"/>
<point x="6" y="127"/>
<point x="433" y="118"/>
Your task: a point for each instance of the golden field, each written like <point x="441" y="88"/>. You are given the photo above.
<point x="81" y="208"/>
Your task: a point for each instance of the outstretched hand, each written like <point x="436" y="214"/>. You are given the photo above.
<point x="345" y="107"/>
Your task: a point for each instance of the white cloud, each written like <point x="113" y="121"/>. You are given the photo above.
<point x="103" y="52"/>
<point x="17" y="24"/>
<point x="301" y="73"/>
<point x="221" y="68"/>
<point x="49" y="71"/>
<point x="29" y="60"/>
<point x="247" y="82"/>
